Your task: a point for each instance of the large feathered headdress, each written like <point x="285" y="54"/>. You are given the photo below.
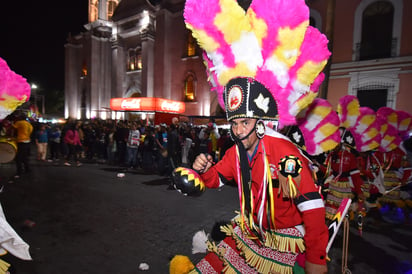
<point x="400" y="120"/>
<point x="14" y="90"/>
<point x="319" y="125"/>
<point x="271" y="43"/>
<point x="361" y="126"/>
<point x="396" y="126"/>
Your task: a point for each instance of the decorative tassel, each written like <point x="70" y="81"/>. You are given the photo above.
<point x="288" y="186"/>
<point x="180" y="265"/>
<point x="199" y="242"/>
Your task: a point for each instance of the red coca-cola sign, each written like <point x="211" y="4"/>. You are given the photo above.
<point x="147" y="104"/>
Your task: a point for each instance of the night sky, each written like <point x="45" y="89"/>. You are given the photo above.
<point x="33" y="35"/>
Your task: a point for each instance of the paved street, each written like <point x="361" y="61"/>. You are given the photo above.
<point x="87" y="220"/>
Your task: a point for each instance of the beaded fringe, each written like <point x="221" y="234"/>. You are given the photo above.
<point x="284" y="243"/>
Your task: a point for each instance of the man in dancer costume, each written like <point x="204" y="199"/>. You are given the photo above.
<point x="264" y="64"/>
<point x="397" y="168"/>
<point x="341" y="171"/>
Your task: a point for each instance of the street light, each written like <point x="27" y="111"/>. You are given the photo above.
<point x="34" y="87"/>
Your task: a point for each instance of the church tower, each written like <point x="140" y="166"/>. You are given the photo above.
<point x="102" y="9"/>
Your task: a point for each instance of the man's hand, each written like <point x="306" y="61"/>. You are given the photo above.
<point x="202" y="163"/>
<point x="311" y="268"/>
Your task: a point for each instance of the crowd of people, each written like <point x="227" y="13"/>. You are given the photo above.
<point x="129" y="144"/>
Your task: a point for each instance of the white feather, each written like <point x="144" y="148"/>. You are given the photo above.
<point x="279" y="70"/>
<point x="199" y="243"/>
<point x="247" y="50"/>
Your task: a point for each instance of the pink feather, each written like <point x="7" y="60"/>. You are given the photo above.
<point x="311" y="123"/>
<point x="348" y="104"/>
<point x="404" y="123"/>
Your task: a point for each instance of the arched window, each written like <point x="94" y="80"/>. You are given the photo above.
<point x="84" y="69"/>
<point x="191" y="45"/>
<point x="93" y="10"/>
<point x="377" y="22"/>
<point x="134" y="60"/>
<point x="377" y="29"/>
<point x="189" y="89"/>
<point x="111" y="6"/>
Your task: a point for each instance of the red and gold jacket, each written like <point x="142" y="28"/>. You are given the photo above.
<point x="307" y="208"/>
<point x="397" y="159"/>
<point x="343" y="165"/>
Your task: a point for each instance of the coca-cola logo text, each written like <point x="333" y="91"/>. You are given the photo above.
<point x="131" y="104"/>
<point x="170" y="106"/>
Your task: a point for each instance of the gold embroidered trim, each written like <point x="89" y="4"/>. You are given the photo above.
<point x="274" y="240"/>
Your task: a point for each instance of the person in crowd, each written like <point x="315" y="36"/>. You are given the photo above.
<point x="173" y="147"/>
<point x="80" y="151"/>
<point x="6" y="129"/>
<point x="64" y="148"/>
<point x="24" y="131"/>
<point x="224" y="143"/>
<point x="161" y="144"/>
<point x="111" y="145"/>
<point x="121" y="136"/>
<point x="194" y="149"/>
<point x="205" y="145"/>
<point x="214" y="136"/>
<point x="343" y="177"/>
<point x="186" y="146"/>
<point x="54" y="142"/>
<point x="148" y="150"/>
<point x="101" y="147"/>
<point x="72" y="140"/>
<point x="42" y="140"/>
<point x="90" y="141"/>
<point x="133" y="143"/>
<point x="173" y="152"/>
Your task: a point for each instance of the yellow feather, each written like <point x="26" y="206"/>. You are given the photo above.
<point x="306" y="100"/>
<point x="205" y="41"/>
<point x="241" y="70"/>
<point x="353" y="108"/>
<point x="290" y="41"/>
<point x="328" y="145"/>
<point x="328" y="129"/>
<point x="258" y="25"/>
<point x="322" y="111"/>
<point x="309" y="71"/>
<point x="372" y="133"/>
<point x="231" y="21"/>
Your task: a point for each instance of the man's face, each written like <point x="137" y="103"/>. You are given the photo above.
<point x="241" y="127"/>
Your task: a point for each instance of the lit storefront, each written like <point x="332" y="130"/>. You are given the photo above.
<point x="155" y="110"/>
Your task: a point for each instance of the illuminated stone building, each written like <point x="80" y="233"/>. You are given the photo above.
<point x="134" y="48"/>
<point x="141" y="48"/>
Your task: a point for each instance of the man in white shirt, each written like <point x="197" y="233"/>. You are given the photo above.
<point x="132" y="146"/>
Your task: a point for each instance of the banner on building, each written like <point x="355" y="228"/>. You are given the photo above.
<point x="147" y="104"/>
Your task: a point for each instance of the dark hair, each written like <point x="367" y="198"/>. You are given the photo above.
<point x="72" y="126"/>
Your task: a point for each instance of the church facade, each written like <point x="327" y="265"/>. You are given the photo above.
<point x="141" y="48"/>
